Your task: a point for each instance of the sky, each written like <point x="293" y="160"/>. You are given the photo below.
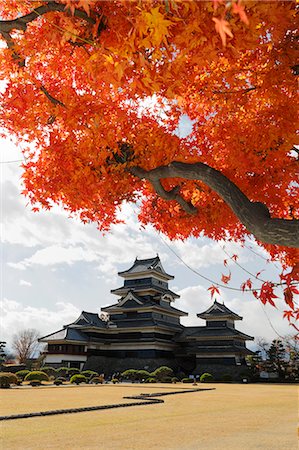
<point x="53" y="267"/>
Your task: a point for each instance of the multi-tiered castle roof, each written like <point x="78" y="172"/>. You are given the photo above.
<point x="144" y="327"/>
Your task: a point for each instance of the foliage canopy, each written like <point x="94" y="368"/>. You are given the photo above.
<point x="98" y="89"/>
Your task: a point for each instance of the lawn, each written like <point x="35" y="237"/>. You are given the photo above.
<point x="235" y="417"/>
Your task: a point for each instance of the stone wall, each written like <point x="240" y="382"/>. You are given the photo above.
<point x="108" y="366"/>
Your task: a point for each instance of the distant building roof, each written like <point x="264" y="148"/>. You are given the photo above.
<point x="193" y="332"/>
<point x="67" y="334"/>
<point x="146" y="265"/>
<point x="133" y="301"/>
<point x="91" y="319"/>
<point x="218" y="310"/>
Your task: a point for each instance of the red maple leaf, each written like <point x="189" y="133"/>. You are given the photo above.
<point x="214" y="290"/>
<point x="226" y="278"/>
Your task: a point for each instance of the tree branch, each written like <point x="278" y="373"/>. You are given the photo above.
<point x="237" y="91"/>
<point x="20" y="23"/>
<point x="51" y="98"/>
<point x="254" y="216"/>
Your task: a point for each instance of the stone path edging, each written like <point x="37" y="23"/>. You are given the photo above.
<point x="146" y="399"/>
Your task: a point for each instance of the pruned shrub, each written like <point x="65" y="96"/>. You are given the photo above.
<point x="187" y="380"/>
<point x="57" y="382"/>
<point x="115" y="380"/>
<point x="61" y="379"/>
<point x="130" y="374"/>
<point x="62" y="371"/>
<point x="206" y="378"/>
<point x="166" y="380"/>
<point x="78" y="379"/>
<point x="21" y="374"/>
<point x="89" y="374"/>
<point x="151" y="380"/>
<point x="7" y="378"/>
<point x="142" y="375"/>
<point x="50" y="371"/>
<point x="72" y="371"/>
<point x="35" y="383"/>
<point x="174" y="379"/>
<point x="162" y="372"/>
<point x="36" y="375"/>
<point x="97" y="380"/>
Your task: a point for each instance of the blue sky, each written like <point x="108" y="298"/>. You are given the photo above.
<point x="53" y="266"/>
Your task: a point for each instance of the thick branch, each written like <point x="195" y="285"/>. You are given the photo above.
<point x="51" y="98"/>
<point x="21" y="22"/>
<point x="253" y="215"/>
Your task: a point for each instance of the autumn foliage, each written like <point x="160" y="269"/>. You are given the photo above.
<point x="95" y="89"/>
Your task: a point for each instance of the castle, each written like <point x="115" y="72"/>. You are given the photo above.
<point x="143" y="331"/>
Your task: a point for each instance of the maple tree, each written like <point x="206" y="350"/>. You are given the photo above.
<point x="97" y="91"/>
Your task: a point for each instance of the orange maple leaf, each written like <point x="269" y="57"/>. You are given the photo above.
<point x="238" y="8"/>
<point x="222" y="27"/>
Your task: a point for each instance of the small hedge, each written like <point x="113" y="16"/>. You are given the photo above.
<point x="115" y="380"/>
<point x="61" y="379"/>
<point x="162" y="372"/>
<point x="174" y="379"/>
<point x="89" y="374"/>
<point x="22" y="374"/>
<point x="151" y="380"/>
<point x="187" y="380"/>
<point x="73" y="371"/>
<point x="37" y="375"/>
<point x="78" y="379"/>
<point x="57" y="382"/>
<point x="62" y="371"/>
<point x="130" y="374"/>
<point x="50" y="371"/>
<point x="7" y="378"/>
<point x="34" y="383"/>
<point x="97" y="380"/>
<point x="206" y="378"/>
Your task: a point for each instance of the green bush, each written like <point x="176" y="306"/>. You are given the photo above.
<point x="22" y="374"/>
<point x="57" y="382"/>
<point x="7" y="378"/>
<point x="130" y="374"/>
<point x="206" y="378"/>
<point x="115" y="380"/>
<point x="97" y="380"/>
<point x="73" y="371"/>
<point x="35" y="383"/>
<point x="166" y="380"/>
<point x="162" y="372"/>
<point x="89" y="374"/>
<point x="36" y="375"/>
<point x="62" y="371"/>
<point x="61" y="379"/>
<point x="50" y="371"/>
<point x="174" y="379"/>
<point x="187" y="380"/>
<point x="151" y="380"/>
<point x="142" y="375"/>
<point x="77" y="379"/>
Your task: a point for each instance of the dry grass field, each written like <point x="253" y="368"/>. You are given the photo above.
<point x="234" y="417"/>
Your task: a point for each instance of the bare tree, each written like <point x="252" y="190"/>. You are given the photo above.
<point x="25" y="344"/>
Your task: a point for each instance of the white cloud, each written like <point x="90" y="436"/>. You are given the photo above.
<point x="197" y="254"/>
<point x="56" y="254"/>
<point x="16" y="316"/>
<point x="25" y="283"/>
